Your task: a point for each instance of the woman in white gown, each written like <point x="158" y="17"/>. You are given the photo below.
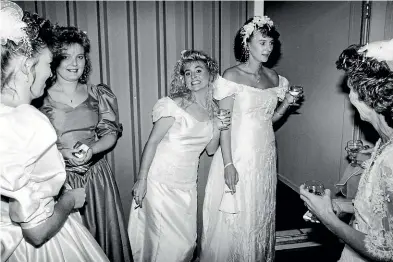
<point x="162" y="224"/>
<point x="36" y="223"/>
<point x="244" y="229"/>
<point x="370" y="235"/>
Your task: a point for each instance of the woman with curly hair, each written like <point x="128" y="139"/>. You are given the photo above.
<point x="370" y="235"/>
<point x="241" y="227"/>
<point x="86" y="119"/>
<point x="38" y="219"/>
<point x="162" y="224"/>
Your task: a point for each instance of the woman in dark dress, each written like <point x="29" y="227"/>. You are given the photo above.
<point x="88" y="114"/>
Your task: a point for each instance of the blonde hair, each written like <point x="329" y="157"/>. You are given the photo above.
<point x="178" y="85"/>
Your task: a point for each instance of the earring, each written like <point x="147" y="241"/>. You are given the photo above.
<point x="246" y="53"/>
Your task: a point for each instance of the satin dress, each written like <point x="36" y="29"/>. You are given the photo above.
<point x="249" y="234"/>
<point x="165" y="228"/>
<point x="373" y="206"/>
<point x="32" y="174"/>
<point x="94" y="118"/>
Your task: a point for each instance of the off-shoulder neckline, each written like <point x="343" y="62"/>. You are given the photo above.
<point x="183" y="110"/>
<point x="256" y="88"/>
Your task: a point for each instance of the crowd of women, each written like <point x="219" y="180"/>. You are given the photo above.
<point x="59" y="198"/>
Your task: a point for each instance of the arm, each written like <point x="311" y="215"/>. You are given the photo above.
<point x="230" y="172"/>
<point x="322" y="208"/>
<point x="281" y="110"/>
<point x="158" y="132"/>
<point x="71" y="199"/>
<point x="225" y="138"/>
<point x="211" y="148"/>
<point x="101" y="145"/>
<point x="104" y="143"/>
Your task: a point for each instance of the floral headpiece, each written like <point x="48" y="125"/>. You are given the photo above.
<point x="12" y="27"/>
<point x="380" y="50"/>
<point x="257" y="21"/>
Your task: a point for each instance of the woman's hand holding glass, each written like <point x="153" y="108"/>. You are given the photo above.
<point x="223" y="119"/>
<point x="353" y="148"/>
<point x="139" y="191"/>
<point x="294" y="94"/>
<point x="69" y="155"/>
<point x="319" y="204"/>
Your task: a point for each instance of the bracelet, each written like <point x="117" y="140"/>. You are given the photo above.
<point x="227" y="165"/>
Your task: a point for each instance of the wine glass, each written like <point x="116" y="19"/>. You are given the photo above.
<point x="353" y="148"/>
<point x="315" y="187"/>
<point x="295" y="91"/>
<point x="221" y="114"/>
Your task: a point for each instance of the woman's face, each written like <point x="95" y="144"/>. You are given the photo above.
<point x="366" y="113"/>
<point x="196" y="76"/>
<point x="73" y="63"/>
<point x="260" y="47"/>
<point x="40" y="73"/>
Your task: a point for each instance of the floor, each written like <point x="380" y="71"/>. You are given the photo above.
<point x="298" y="240"/>
<point x="318" y="243"/>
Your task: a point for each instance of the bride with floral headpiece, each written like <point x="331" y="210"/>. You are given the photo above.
<point x="37" y="223"/>
<point x="239" y="206"/>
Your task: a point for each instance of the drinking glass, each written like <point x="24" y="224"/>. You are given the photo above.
<point x="353" y="148"/>
<point x="221" y="114"/>
<point x="315" y="187"/>
<point x="296" y="92"/>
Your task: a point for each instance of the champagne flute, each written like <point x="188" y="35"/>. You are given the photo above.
<point x="353" y="148"/>
<point x="295" y="91"/>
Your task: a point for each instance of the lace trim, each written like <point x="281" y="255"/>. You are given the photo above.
<point x="375" y="189"/>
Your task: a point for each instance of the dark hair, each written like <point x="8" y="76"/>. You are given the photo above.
<point x="67" y="36"/>
<point x="371" y="79"/>
<point x="40" y="35"/>
<point x="241" y="52"/>
<point x="178" y="86"/>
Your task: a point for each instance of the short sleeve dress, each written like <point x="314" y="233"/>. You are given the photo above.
<point x="165" y="228"/>
<point x="32" y="173"/>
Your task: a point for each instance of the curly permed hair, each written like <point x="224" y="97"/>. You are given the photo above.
<point x="40" y="34"/>
<point x="178" y="85"/>
<point x="371" y="79"/>
<point x="67" y="36"/>
<point x="242" y="53"/>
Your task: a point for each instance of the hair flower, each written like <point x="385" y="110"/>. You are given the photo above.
<point x="249" y="28"/>
<point x="13" y="28"/>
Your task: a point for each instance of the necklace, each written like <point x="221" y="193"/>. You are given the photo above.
<point x="381" y="146"/>
<point x="199" y="104"/>
<point x="69" y="97"/>
<point x="256" y="75"/>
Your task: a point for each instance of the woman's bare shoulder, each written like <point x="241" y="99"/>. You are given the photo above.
<point x="231" y="73"/>
<point x="272" y="75"/>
